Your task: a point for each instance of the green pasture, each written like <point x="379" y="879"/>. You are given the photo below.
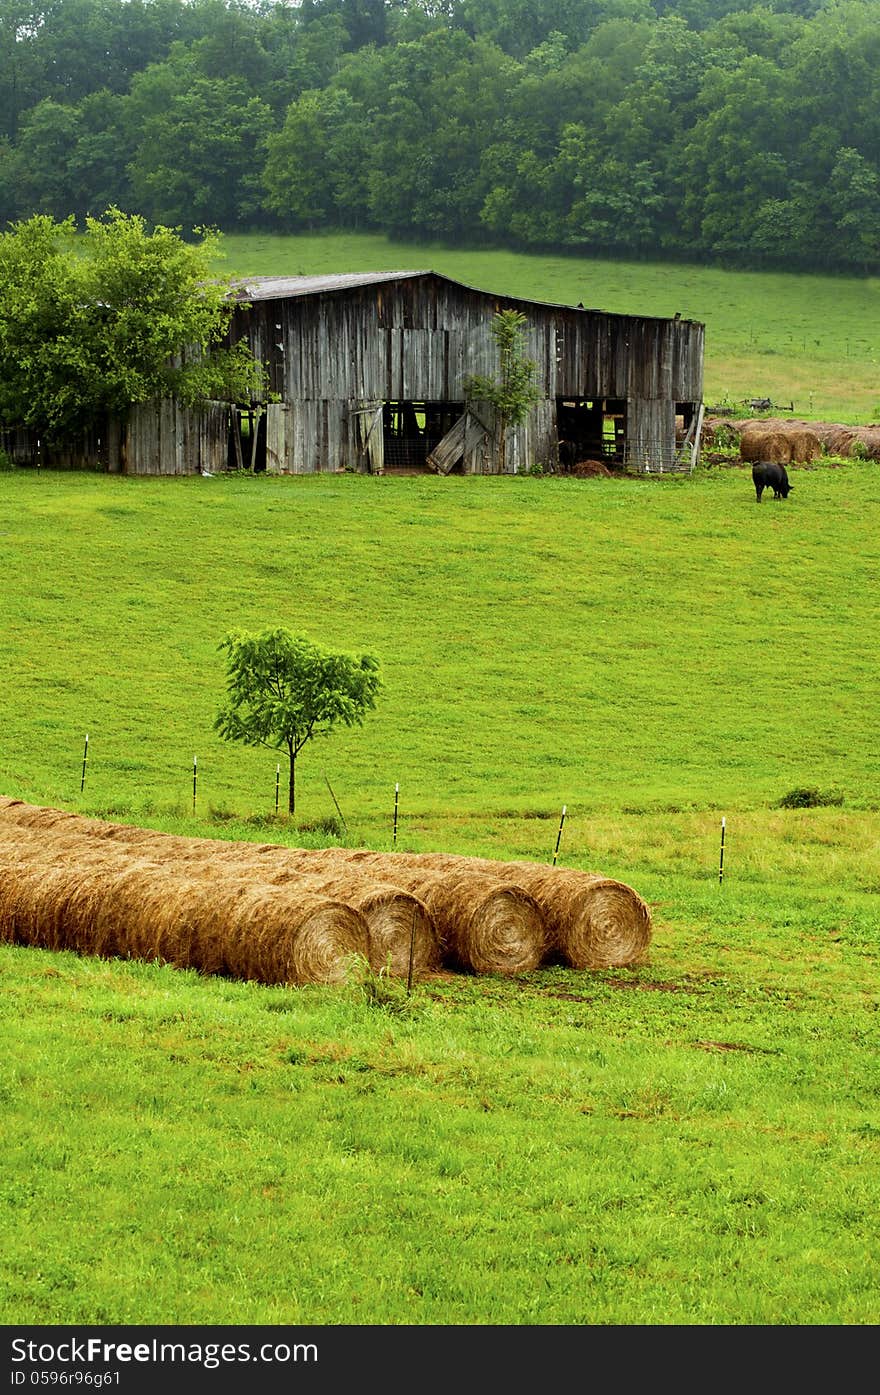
<point x="694" y="1140"/>
<point x="796" y="338"/>
<point x="609" y="645"/>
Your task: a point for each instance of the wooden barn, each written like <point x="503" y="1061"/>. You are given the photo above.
<point x="367" y="372"/>
<point x="370" y="371"/>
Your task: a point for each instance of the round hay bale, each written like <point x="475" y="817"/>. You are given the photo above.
<point x="595" y="922"/>
<point x="756" y="443"/>
<point x="399" y="923"/>
<point x="291" y="935"/>
<point x="805" y="445"/>
<point x="487" y="927"/>
<point x="47" y="903"/>
<point x="837" y="440"/>
<point x="869" y="438"/>
<point x="486" y="923"/>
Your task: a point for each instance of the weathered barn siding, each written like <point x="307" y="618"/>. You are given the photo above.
<point x="335" y="345"/>
<point x="165" y="438"/>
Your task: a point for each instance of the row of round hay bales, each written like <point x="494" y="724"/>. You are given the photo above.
<point x="288" y="915"/>
<point x="69" y="893"/>
<point x="792" y="442"/>
<point x="589" y="921"/>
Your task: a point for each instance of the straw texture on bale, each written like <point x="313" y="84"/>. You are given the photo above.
<point x="760" y="444"/>
<point x="98" y="897"/>
<point x="592" y="921"/>
<point x="487" y="924"/>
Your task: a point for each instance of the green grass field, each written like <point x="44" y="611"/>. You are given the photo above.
<point x="808" y="340"/>
<point x="692" y="1141"/>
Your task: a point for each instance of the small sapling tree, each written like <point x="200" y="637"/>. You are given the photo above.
<point x="514" y="392"/>
<point x="282" y="690"/>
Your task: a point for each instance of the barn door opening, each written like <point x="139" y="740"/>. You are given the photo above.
<point x="411" y="431"/>
<point x="590" y="428"/>
<point x="247" y="438"/>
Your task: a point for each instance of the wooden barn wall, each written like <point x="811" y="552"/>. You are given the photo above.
<point x="650" y="435"/>
<point x="165" y="438"/>
<point x="416" y="340"/>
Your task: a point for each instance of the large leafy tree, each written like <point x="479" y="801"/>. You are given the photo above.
<point x="283" y="690"/>
<point x="93" y="323"/>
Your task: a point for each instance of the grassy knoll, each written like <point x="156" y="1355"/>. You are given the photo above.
<point x="811" y="340"/>
<point x="694" y="1140"/>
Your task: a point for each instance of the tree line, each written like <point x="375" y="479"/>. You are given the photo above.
<point x="717" y="130"/>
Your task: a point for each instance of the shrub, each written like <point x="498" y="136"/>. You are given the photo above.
<point x="809" y="798"/>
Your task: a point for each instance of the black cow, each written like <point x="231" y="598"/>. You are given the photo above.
<point x="769" y="476"/>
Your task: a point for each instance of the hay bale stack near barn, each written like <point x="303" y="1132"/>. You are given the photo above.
<point x="75" y="893"/>
<point x="759" y="443"/>
<point x="786" y="443"/>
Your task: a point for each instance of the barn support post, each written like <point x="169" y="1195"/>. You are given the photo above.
<point x="236" y="438"/>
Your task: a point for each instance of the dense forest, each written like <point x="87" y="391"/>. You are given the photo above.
<point x="710" y="130"/>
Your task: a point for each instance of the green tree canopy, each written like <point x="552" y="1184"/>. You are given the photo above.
<point x="93" y="323"/>
<point x="283" y="690"/>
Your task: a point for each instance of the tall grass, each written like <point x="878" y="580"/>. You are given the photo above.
<point x="793" y="337"/>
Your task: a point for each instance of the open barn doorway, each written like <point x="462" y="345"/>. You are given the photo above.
<point x="247" y="438"/>
<point x="590" y="428"/>
<point x="412" y="430"/>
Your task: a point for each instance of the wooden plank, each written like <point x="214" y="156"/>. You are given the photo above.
<point x="461" y="438"/>
<point x="371" y="436"/>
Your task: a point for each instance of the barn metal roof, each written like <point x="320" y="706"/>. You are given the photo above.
<point x="280" y="287"/>
<point x="254" y="288"/>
